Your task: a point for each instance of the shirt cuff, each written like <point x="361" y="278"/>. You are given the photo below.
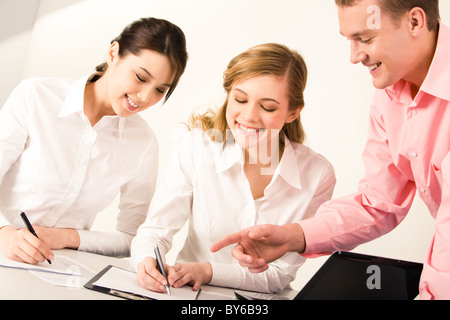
<point x="114" y="244"/>
<point x="221" y="275"/>
<point x="317" y="238"/>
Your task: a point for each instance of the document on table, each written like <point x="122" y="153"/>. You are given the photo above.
<point x="125" y="281"/>
<point x="62" y="272"/>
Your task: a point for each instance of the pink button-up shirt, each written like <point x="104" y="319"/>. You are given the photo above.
<point x="407" y="150"/>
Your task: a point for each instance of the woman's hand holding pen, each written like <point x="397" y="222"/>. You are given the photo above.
<point x="149" y="276"/>
<point x="194" y="274"/>
<point x="21" y="245"/>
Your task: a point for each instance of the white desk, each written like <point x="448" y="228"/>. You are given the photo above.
<point x="18" y="284"/>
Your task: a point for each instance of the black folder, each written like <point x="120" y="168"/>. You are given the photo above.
<point x="353" y="276"/>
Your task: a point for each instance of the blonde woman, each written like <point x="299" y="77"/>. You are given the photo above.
<point x="242" y="165"/>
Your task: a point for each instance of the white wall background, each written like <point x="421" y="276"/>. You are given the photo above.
<point x="68" y="38"/>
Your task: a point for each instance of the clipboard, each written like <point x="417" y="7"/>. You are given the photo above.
<point x="123" y="283"/>
<point x="121" y="294"/>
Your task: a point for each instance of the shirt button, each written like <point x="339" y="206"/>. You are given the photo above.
<point x="422" y="190"/>
<point x="413" y="154"/>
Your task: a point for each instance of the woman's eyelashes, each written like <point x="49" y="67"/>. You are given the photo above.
<point x="143" y="80"/>
<point x="243" y="101"/>
<point x="267" y="109"/>
<point x="140" y="79"/>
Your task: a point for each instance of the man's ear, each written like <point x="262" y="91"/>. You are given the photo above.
<point x="417" y="21"/>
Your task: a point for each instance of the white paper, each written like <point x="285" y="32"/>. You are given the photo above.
<point x="62" y="280"/>
<point x="77" y="274"/>
<point x="126" y="281"/>
<point x="61" y="264"/>
<point x="62" y="272"/>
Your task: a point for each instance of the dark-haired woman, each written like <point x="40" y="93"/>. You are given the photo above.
<point x="68" y="148"/>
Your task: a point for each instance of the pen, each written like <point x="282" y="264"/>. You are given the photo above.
<point x="30" y="228"/>
<point x="161" y="267"/>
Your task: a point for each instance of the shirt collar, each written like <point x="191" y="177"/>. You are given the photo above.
<point x="437" y="81"/>
<point x="397" y="92"/>
<point x="233" y="154"/>
<point x="288" y="168"/>
<point x="74" y="103"/>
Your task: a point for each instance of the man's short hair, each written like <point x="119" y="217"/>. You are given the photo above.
<point x="397" y="8"/>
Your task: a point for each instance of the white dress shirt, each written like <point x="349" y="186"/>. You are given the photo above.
<point x="62" y="171"/>
<point x="205" y="183"/>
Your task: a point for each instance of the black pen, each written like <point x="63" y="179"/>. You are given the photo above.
<point x="30" y="228"/>
<point x="161" y="267"/>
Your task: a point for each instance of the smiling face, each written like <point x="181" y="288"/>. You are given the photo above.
<point x="257" y="109"/>
<point x="388" y="52"/>
<point x="137" y="82"/>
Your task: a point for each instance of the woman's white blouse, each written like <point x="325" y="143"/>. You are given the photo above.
<point x="62" y="171"/>
<point x="204" y="183"/>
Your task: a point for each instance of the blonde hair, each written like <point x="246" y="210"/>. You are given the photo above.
<point x="267" y="59"/>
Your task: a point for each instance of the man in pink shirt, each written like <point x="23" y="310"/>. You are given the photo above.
<point x="406" y="51"/>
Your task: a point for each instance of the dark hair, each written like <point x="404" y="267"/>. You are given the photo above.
<point x="157" y="35"/>
<point x="399" y="7"/>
